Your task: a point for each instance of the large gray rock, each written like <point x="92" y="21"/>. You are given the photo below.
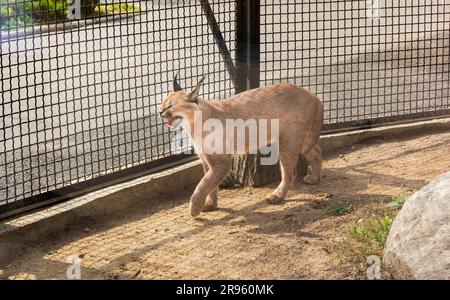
<point x="418" y="245"/>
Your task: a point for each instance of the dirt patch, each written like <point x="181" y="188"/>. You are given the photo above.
<point x="246" y="238"/>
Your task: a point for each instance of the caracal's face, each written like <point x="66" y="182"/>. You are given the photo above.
<point x="175" y="108"/>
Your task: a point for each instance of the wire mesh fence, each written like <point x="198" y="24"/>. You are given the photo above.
<point x="81" y="80"/>
<point x="79" y="97"/>
<point x="366" y="60"/>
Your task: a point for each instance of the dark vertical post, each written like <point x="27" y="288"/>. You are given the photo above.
<point x="247" y="169"/>
<point x="247" y="44"/>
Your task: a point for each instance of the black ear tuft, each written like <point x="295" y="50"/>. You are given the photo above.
<point x="193" y="96"/>
<point x="176" y="86"/>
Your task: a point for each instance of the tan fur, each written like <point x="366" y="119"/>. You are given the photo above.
<point x="300" y="115"/>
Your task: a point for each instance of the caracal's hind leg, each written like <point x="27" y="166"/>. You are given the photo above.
<point x="288" y="165"/>
<point x="218" y="167"/>
<point x="211" y="199"/>
<point x="314" y="159"/>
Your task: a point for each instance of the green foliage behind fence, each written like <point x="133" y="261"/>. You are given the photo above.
<point x="26" y="13"/>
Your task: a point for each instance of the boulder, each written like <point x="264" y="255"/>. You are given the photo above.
<point x="418" y="245"/>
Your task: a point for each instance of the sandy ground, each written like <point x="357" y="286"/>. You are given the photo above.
<point x="246" y="238"/>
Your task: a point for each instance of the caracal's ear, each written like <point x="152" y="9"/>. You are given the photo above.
<point x="176" y="86"/>
<point x="193" y="96"/>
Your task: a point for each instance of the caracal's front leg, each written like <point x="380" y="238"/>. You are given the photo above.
<point x="218" y="167"/>
<point x="211" y="199"/>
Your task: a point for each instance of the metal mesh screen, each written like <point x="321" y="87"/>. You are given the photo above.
<point x="79" y="97"/>
<point x="81" y="85"/>
<point x="365" y="60"/>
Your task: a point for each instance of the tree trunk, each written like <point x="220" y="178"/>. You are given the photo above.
<point x="248" y="171"/>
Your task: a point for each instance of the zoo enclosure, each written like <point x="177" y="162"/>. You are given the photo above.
<point x="80" y="89"/>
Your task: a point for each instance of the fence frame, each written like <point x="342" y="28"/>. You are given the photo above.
<point x="247" y="45"/>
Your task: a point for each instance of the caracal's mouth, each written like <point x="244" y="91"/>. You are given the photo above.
<point x="174" y="123"/>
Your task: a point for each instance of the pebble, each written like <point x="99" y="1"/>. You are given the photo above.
<point x="209" y="254"/>
<point x="137" y="273"/>
<point x="325" y="195"/>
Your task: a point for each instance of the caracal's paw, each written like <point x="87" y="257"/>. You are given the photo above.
<point x="309" y="179"/>
<point x="274" y="199"/>
<point x="196" y="208"/>
<point x="210" y="204"/>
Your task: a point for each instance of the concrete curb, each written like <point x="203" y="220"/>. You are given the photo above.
<point x="332" y="142"/>
<point x="118" y="199"/>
